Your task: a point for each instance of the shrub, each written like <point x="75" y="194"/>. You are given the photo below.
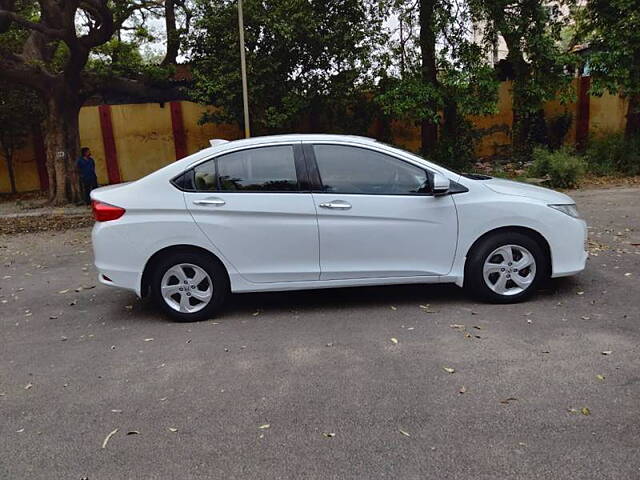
<point x="613" y="154"/>
<point x="557" y="128"/>
<point x="562" y="168"/>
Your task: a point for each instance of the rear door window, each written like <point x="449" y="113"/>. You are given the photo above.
<point x="263" y="169"/>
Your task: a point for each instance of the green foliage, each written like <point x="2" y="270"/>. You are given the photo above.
<point x="312" y="59"/>
<point x="532" y="31"/>
<point x="612" y="30"/>
<point x="457" y="151"/>
<point x="562" y="167"/>
<point x="557" y="128"/>
<point x="463" y="73"/>
<point x="20" y="110"/>
<point x="117" y="58"/>
<point x="613" y="154"/>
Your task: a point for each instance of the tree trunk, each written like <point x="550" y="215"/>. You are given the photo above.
<point x="12" y="176"/>
<point x="173" y="38"/>
<point x="521" y="141"/>
<point x="428" y="70"/>
<point x="62" y="146"/>
<point x="632" y="128"/>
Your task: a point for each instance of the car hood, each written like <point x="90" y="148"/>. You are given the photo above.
<point x="509" y="187"/>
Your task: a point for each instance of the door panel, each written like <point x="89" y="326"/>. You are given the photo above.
<point x="386" y="236"/>
<point x="249" y="205"/>
<point x="376" y="216"/>
<point x="268" y="237"/>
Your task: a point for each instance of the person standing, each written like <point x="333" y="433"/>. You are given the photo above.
<point x="87" y="171"/>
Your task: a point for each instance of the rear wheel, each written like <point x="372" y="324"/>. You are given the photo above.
<point x="189" y="286"/>
<point x="505" y="267"/>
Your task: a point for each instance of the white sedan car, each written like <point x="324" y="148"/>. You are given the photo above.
<point x="297" y="212"/>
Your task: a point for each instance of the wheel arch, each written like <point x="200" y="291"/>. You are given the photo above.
<point x="530" y="232"/>
<point x="147" y="272"/>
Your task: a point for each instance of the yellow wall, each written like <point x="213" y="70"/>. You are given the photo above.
<point x="607" y="114"/>
<point x="144" y="135"/>
<point x="198" y="136"/>
<point x="501" y="121"/>
<point x="91" y="136"/>
<point x="25" y="169"/>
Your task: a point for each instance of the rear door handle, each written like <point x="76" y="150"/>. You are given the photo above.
<point x="336" y="205"/>
<point x="214" y="202"/>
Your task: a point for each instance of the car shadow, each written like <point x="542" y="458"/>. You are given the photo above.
<point x="339" y="299"/>
<point x="346" y="298"/>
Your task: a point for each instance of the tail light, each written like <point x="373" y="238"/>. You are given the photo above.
<point x="103" y="212"/>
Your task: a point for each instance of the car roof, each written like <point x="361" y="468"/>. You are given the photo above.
<point x="219" y="148"/>
<point x="290" y="137"/>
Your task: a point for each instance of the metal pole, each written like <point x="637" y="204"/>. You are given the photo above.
<point x="243" y="71"/>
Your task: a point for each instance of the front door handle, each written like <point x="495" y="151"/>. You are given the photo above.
<point x="215" y="202"/>
<point x="337" y="205"/>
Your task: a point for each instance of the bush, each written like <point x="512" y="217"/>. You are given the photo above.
<point x="562" y="168"/>
<point x="557" y="128"/>
<point x="456" y="146"/>
<point x="613" y="155"/>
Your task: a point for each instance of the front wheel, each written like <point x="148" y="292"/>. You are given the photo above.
<point x="189" y="286"/>
<point x="505" y="267"/>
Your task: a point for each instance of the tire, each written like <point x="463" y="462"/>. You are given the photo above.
<point x="494" y="277"/>
<point x="195" y="286"/>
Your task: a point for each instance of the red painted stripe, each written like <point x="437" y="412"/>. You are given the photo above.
<point x="177" y="124"/>
<point x="41" y="158"/>
<point x="111" y="155"/>
<point x="582" y="120"/>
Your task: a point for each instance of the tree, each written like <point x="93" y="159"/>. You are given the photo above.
<point x="532" y="31"/>
<point x="20" y="111"/>
<point x="428" y="71"/>
<point x="443" y="77"/>
<point x="47" y="46"/>
<point x="612" y="29"/>
<point x="305" y="58"/>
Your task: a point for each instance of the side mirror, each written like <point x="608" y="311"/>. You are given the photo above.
<point x="441" y="184"/>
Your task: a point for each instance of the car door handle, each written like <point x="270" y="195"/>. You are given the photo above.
<point x="336" y="204"/>
<point x="216" y="202"/>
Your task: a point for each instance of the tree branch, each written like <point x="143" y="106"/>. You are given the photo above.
<point x="14" y="69"/>
<point x="137" y="89"/>
<point x="54" y="33"/>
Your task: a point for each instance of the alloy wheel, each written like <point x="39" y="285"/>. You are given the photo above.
<point x="186" y="288"/>
<point x="509" y="270"/>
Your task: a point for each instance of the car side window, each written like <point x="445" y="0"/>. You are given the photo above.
<point x="262" y="169"/>
<point x="345" y="169"/>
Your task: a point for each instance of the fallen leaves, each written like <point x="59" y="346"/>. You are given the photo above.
<point x="584" y="410"/>
<point x="108" y="437"/>
<point x="463" y="329"/>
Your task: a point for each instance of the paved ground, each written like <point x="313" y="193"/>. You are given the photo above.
<point x="77" y="365"/>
